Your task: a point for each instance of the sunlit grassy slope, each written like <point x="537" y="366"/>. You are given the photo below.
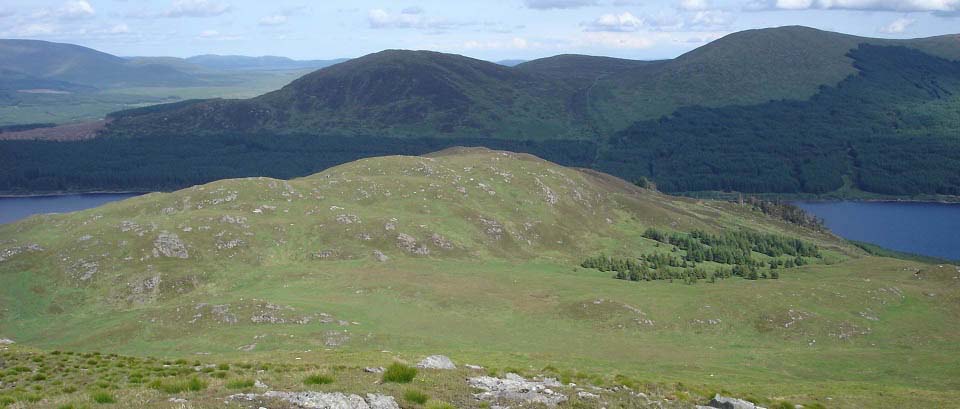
<point x="479" y="262"/>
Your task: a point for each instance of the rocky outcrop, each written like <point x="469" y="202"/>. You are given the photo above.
<point x="514" y="388"/>
<point x="409" y="244"/>
<point x="7" y="253"/>
<point x="723" y="402"/>
<point x="379" y="256"/>
<point x="436" y="362"/>
<point x="169" y="245"/>
<point x="323" y="400"/>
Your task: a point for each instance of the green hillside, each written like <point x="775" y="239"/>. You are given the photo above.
<point x="747" y="67"/>
<point x="788" y="110"/>
<point x="401" y="93"/>
<point x="477" y="255"/>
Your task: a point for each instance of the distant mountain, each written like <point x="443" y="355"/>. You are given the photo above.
<point x="239" y="62"/>
<point x="790" y="109"/>
<point x="408" y="93"/>
<point x="83" y="66"/>
<point x="511" y="63"/>
<point x="747" y="67"/>
<point x="579" y="67"/>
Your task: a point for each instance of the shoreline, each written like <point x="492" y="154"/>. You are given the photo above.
<point x="78" y="193"/>
<point x="725" y="196"/>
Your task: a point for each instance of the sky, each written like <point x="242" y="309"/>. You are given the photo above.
<point x="491" y="29"/>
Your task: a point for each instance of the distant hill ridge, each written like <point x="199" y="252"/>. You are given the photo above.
<point x="857" y="97"/>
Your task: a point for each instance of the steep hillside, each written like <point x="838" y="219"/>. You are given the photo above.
<point x="487" y="257"/>
<point x="893" y="128"/>
<point x="403" y="93"/>
<point x="747" y="67"/>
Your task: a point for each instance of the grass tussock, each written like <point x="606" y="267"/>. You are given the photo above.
<point x="177" y="385"/>
<point x="415" y="396"/>
<point x="103" y="397"/>
<point x="399" y="373"/>
<point x="240" y="384"/>
<point x="318" y="379"/>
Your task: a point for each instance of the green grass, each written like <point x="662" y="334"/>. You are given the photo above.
<point x="173" y="386"/>
<point x="318" y="379"/>
<point x="103" y="397"/>
<point x="399" y="373"/>
<point x="860" y="329"/>
<point x="240" y="384"/>
<point x="415" y="396"/>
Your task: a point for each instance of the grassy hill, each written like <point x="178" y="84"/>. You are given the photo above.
<point x="474" y="254"/>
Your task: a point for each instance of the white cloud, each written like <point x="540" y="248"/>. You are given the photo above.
<point x="273" y="20"/>
<point x="412" y="18"/>
<point x="694" y="5"/>
<point x="196" y="8"/>
<point x="623" y="22"/>
<point x="710" y="19"/>
<point x="32" y="30"/>
<point x="516" y="43"/>
<point x="75" y="9"/>
<point x="558" y="4"/>
<point x="898" y="26"/>
<point x="121" y="28"/>
<point x="613" y="40"/>
<point x="943" y="6"/>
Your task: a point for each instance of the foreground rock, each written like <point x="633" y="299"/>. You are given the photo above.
<point x="514" y="388"/>
<point x="323" y="400"/>
<point x="436" y="362"/>
<point x="722" y="402"/>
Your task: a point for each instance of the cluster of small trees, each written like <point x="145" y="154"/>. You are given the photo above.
<point x="733" y="247"/>
<point x="641" y="269"/>
<point x="786" y="212"/>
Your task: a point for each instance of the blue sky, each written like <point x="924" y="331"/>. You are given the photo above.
<point x="492" y="29"/>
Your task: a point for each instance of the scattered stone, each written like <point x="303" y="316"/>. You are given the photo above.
<point x="177" y="400"/>
<point x="325" y="400"/>
<point x="515" y="388"/>
<point x="474" y="367"/>
<point x="587" y="395"/>
<point x="722" y="402"/>
<point x="5" y="254"/>
<point x="374" y="369"/>
<point x="436" y="362"/>
<point x="247" y="348"/>
<point x="379" y="256"/>
<point x="260" y="385"/>
<point x="169" y="245"/>
<point x="441" y="241"/>
<point x="6" y="341"/>
<point x="409" y="244"/>
<point x="348" y="219"/>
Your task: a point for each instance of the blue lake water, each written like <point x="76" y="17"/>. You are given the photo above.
<point x="930" y="229"/>
<point x="16" y="208"/>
